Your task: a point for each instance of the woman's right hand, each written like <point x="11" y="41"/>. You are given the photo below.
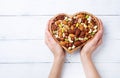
<point x="91" y="45"/>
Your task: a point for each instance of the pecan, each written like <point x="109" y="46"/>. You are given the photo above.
<point x="60" y="17"/>
<point x="54" y="27"/>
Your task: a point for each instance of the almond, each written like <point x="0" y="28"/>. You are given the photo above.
<point x="77" y="32"/>
<point x="77" y="43"/>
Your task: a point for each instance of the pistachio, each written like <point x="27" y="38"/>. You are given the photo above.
<point x="76" y="39"/>
<point x="89" y="19"/>
<point x="63" y="30"/>
<point x="66" y="40"/>
<point x="63" y="34"/>
<point x="87" y="16"/>
<point x="77" y="24"/>
<point x="67" y="19"/>
<point x="85" y="38"/>
<point x="60" y="25"/>
<point x="92" y="33"/>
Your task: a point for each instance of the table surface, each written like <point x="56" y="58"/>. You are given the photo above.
<point x="23" y="53"/>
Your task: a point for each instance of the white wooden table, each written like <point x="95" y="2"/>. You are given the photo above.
<point x="23" y="53"/>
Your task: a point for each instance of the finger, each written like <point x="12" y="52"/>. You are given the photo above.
<point x="99" y="42"/>
<point x="49" y="37"/>
<point x="101" y="24"/>
<point x="47" y="29"/>
<point x="97" y="37"/>
<point x="48" y="24"/>
<point x="48" y="44"/>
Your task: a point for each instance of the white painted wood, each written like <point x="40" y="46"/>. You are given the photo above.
<point x="33" y="27"/>
<point x="48" y="7"/>
<point x="37" y="51"/>
<point x="70" y="70"/>
<point x="23" y="53"/>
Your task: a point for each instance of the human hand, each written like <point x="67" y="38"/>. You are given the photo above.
<point x="91" y="45"/>
<point x="56" y="49"/>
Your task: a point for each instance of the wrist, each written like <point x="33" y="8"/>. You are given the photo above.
<point x="85" y="56"/>
<point x="59" y="58"/>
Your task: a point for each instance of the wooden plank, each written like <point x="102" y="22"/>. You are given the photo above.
<point x="70" y="70"/>
<point x="12" y="51"/>
<point x="47" y="7"/>
<point x="33" y="27"/>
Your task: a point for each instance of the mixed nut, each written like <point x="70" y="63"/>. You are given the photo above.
<point x="72" y="32"/>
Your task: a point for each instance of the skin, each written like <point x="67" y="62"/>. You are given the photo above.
<point x="85" y="54"/>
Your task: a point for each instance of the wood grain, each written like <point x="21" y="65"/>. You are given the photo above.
<point x="23" y="53"/>
<point x="47" y="7"/>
